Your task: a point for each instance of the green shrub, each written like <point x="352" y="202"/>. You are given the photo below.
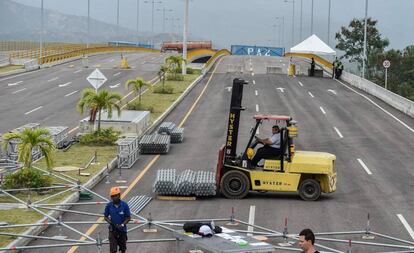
<point x="175" y="77"/>
<point x="27" y="178"/>
<point x="167" y="89"/>
<point x="100" y="138"/>
<point x="137" y="106"/>
<point x="190" y="71"/>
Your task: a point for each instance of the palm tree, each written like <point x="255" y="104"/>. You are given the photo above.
<point x="174" y="62"/>
<point x="137" y="85"/>
<point x="31" y="139"/>
<point x="98" y="101"/>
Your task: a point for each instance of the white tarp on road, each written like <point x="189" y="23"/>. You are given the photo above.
<point x="313" y="45"/>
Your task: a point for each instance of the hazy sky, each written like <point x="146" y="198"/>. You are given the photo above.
<point x="227" y="22"/>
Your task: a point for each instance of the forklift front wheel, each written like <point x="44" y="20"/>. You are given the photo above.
<point x="310" y="190"/>
<point x="235" y="185"/>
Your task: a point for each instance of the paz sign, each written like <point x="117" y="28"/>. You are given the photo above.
<point x="96" y="79"/>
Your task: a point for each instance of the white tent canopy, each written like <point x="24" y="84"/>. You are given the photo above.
<point x="313" y="45"/>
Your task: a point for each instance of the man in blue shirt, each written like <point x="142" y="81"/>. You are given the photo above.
<point x="271" y="147"/>
<point x="117" y="214"/>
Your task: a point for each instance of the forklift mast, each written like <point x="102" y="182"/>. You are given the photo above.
<point x="234" y="118"/>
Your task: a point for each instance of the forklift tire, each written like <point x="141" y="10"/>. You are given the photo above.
<point x="235" y="185"/>
<point x="310" y="190"/>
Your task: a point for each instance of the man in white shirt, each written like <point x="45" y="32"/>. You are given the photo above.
<point x="271" y="146"/>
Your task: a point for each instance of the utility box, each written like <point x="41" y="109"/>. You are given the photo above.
<point x="130" y="122"/>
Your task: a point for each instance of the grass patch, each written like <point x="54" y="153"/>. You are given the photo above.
<point x="10" y="68"/>
<point x="160" y="102"/>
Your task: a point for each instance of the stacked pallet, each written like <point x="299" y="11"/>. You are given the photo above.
<point x="155" y="144"/>
<point x="176" y="133"/>
<point x="187" y="183"/>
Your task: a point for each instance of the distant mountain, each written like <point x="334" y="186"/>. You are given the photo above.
<point x="21" y="22"/>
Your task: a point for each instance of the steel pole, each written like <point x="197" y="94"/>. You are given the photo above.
<point x="138" y="20"/>
<point x="386" y="77"/>
<point x="41" y="29"/>
<point x="365" y="39"/>
<point x="89" y="24"/>
<point x="301" y="20"/>
<point x="152" y="17"/>
<point x="293" y="24"/>
<point x="329" y="22"/>
<point x="185" y="34"/>
<point x="312" y="18"/>
<point x="117" y="20"/>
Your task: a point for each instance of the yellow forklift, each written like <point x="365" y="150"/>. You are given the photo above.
<point x="306" y="172"/>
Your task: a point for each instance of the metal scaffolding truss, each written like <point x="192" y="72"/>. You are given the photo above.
<point x="280" y="241"/>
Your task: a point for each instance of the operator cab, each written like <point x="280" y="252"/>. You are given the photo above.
<point x="288" y="130"/>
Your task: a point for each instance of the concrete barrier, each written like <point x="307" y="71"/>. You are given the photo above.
<point x="398" y="102"/>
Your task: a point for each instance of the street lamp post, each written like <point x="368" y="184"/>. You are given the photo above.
<point x="138" y="20"/>
<point x="329" y="22"/>
<point x="117" y="20"/>
<point x="41" y="29"/>
<point x="293" y="20"/>
<point x="185" y="34"/>
<point x="89" y="24"/>
<point x="283" y="29"/>
<point x="312" y="18"/>
<point x="365" y="39"/>
<point x="301" y="20"/>
<point x="164" y="10"/>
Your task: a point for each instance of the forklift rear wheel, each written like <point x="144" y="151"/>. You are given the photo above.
<point x="235" y="185"/>
<point x="310" y="190"/>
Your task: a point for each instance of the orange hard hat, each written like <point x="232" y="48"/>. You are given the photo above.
<point x="115" y="191"/>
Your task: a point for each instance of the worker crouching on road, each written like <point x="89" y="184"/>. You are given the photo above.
<point x="271" y="147"/>
<point x="117" y="214"/>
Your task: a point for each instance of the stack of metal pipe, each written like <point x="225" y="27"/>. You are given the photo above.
<point x="176" y="133"/>
<point x="165" y="182"/>
<point x="155" y="144"/>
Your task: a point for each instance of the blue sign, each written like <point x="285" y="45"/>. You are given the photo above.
<point x="257" y="50"/>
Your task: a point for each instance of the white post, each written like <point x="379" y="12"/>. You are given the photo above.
<point x="312" y="18"/>
<point x="329" y="22"/>
<point x="41" y="30"/>
<point x="386" y="77"/>
<point x="185" y="34"/>
<point x="365" y="39"/>
<point x="89" y="24"/>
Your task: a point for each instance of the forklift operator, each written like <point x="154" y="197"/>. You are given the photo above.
<point x="271" y="147"/>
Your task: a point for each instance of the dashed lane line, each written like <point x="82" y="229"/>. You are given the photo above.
<point x="322" y="110"/>
<point x="364" y="166"/>
<point x="17" y="91"/>
<point x="38" y="108"/>
<point x="339" y="133"/>
<point x="406" y="225"/>
<point x="70" y="94"/>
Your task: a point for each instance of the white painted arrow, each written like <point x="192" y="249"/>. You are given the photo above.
<point x="332" y="91"/>
<point x="115" y="86"/>
<point x="229" y="88"/>
<point x="281" y="89"/>
<point x="65" y="84"/>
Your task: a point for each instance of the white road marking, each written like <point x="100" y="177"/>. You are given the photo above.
<point x="53" y="79"/>
<point x="339" y="133"/>
<point x="310" y="94"/>
<point x="364" y="166"/>
<point x="67" y="95"/>
<point x="77" y="71"/>
<point x="251" y="219"/>
<point x="40" y="107"/>
<point x="332" y="91"/>
<point x="370" y="100"/>
<point x="406" y="225"/>
<point x="114" y="86"/>
<point x="117" y="74"/>
<point x="229" y="88"/>
<point x="300" y="83"/>
<point x="111" y="60"/>
<point x="17" y="91"/>
<point x="256" y="93"/>
<point x="323" y="111"/>
<point x="14" y="84"/>
<point x="257" y="108"/>
<point x="254" y="82"/>
<point x="281" y="89"/>
<point x="65" y="84"/>
<point x="252" y="73"/>
<point x="258" y="131"/>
